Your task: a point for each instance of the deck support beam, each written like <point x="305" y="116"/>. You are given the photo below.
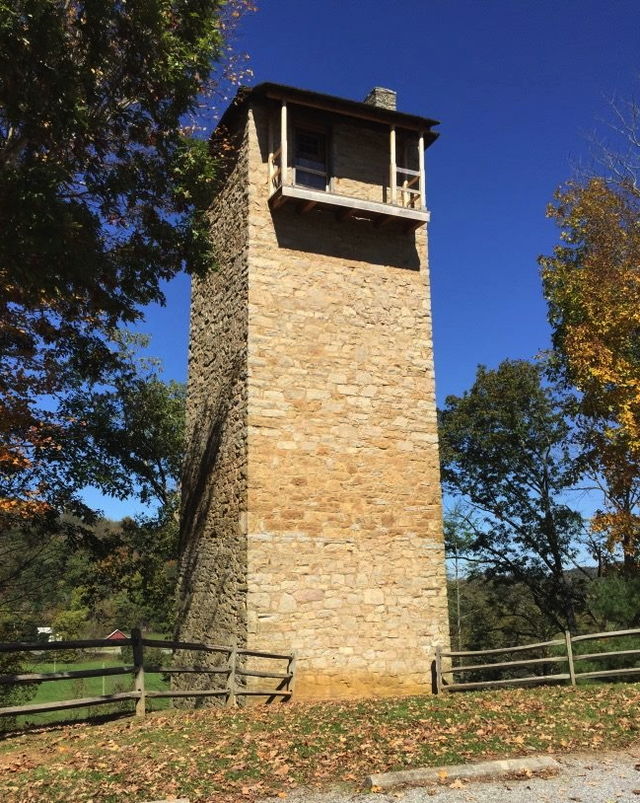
<point x="284" y="158"/>
<point x="393" y="173"/>
<point x="421" y="185"/>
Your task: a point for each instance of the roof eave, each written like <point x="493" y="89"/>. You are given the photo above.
<point x="330" y="103"/>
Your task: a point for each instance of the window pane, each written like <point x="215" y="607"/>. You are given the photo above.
<point x="310" y="151"/>
<point x="312" y="180"/>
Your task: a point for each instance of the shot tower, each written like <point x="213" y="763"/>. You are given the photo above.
<point x="311" y="513"/>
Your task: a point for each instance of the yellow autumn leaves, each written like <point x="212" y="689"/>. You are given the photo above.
<point x="592" y="285"/>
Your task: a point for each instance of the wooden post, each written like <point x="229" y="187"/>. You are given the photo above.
<point x="271" y="159"/>
<point x="393" y="171"/>
<point x="138" y="668"/>
<point x="438" y="670"/>
<point x="231" y="677"/>
<point x="291" y="670"/>
<point x="284" y="158"/>
<point x="572" y="671"/>
<point x="421" y="186"/>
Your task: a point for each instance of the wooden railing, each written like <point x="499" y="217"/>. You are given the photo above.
<point x="231" y="672"/>
<point x="565" y="644"/>
<point x="275" y="170"/>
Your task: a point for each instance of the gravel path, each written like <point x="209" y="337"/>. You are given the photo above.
<point x="608" y="778"/>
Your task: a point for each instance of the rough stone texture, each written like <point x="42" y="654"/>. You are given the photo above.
<point x="213" y="570"/>
<point x="384" y="98"/>
<point x="500" y="768"/>
<point x="337" y="466"/>
<point x="367" y="176"/>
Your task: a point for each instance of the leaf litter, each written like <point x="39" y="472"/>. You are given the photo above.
<point x="244" y="754"/>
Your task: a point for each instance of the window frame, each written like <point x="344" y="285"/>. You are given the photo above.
<point x="317" y="131"/>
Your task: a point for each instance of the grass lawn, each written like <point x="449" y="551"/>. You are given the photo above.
<point x="50" y="691"/>
<point x="240" y="754"/>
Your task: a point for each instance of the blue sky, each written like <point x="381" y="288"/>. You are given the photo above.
<point x="519" y="87"/>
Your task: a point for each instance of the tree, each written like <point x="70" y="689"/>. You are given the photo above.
<point x="592" y="286"/>
<point x="128" y="440"/>
<point x="103" y="187"/>
<point x="506" y="452"/>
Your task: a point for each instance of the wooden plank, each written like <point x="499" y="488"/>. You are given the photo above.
<point x="392" y="163"/>
<point x="591" y="655"/>
<point x="331" y="199"/>
<point x="185" y="645"/>
<point x="405" y="123"/>
<point x="509" y="681"/>
<point x="306" y="206"/>
<point x="192" y="693"/>
<point x="259" y="693"/>
<point x="421" y="170"/>
<point x="524" y="662"/>
<point x="75" y="673"/>
<point x="607" y="672"/>
<point x="291" y="669"/>
<point x="62" y="705"/>
<point x="232" y="683"/>
<point x="609" y="634"/>
<point x="554" y="643"/>
<point x="278" y="198"/>
<point x="249" y="674"/>
<point x="138" y="662"/>
<point x="406" y="171"/>
<point x="439" y="670"/>
<point x="572" y="672"/>
<point x="257" y="654"/>
<point x="284" y="158"/>
<point x="384" y="220"/>
<point x="36" y="646"/>
<point x="201" y="670"/>
<point x="282" y="686"/>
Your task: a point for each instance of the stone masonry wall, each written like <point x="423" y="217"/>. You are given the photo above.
<point x="345" y="552"/>
<point x="212" y="580"/>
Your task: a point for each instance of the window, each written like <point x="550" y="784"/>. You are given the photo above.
<point x="310" y="159"/>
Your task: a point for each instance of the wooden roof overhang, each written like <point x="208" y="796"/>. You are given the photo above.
<point x="348" y="108"/>
<point x="305" y="198"/>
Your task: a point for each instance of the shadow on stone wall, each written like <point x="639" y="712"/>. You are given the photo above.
<point x="318" y="232"/>
<point x="210" y="571"/>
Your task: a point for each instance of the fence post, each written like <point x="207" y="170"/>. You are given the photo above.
<point x="291" y="670"/>
<point x="138" y="668"/>
<point x="438" y="670"/>
<point x="231" y="677"/>
<point x="572" y="670"/>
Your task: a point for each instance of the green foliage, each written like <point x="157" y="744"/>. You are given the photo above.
<point x="127" y="440"/>
<point x="130" y="437"/>
<point x="12" y="664"/>
<point x="103" y="186"/>
<point x="132" y="580"/>
<point x="92" y="145"/>
<point x="506" y="455"/>
<point x="614" y="600"/>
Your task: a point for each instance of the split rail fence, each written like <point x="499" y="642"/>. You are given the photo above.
<point x="231" y="672"/>
<point x="567" y="661"/>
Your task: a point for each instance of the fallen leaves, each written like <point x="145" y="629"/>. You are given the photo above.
<point x="242" y="754"/>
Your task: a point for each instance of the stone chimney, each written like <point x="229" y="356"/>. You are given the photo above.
<point x="384" y="98"/>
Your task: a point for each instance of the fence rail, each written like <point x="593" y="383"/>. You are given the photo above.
<point x="233" y="674"/>
<point x="440" y="668"/>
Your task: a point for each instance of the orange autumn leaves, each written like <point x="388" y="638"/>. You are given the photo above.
<point x="592" y="284"/>
<point x="29" y="434"/>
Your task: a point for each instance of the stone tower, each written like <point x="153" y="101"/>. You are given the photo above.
<point x="311" y="513"/>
